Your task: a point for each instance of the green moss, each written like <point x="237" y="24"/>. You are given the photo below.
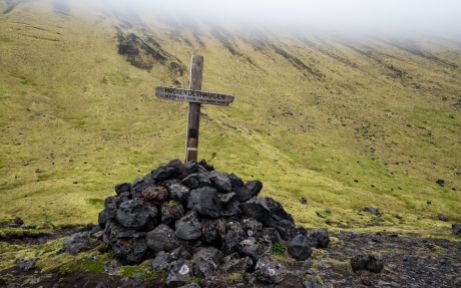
<point x="12" y="233"/>
<point x="235" y="277"/>
<point x="279" y="248"/>
<point x="142" y="271"/>
<point x="84" y="263"/>
<point x="92" y="265"/>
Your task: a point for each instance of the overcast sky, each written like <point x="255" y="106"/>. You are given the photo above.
<point x="439" y="17"/>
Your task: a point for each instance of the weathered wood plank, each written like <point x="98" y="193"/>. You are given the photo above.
<point x="193" y="124"/>
<point x="193" y="95"/>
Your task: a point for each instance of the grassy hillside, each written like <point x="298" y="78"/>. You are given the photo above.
<point x="345" y="124"/>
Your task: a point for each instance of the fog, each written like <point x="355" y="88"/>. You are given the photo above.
<point x="392" y="17"/>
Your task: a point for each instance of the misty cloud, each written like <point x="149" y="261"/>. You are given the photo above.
<point x="394" y="17"/>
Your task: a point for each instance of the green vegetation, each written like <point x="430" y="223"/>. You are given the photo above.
<point x="143" y="272"/>
<point x="8" y="233"/>
<point x="85" y="264"/>
<point x="279" y="249"/>
<point x="314" y="117"/>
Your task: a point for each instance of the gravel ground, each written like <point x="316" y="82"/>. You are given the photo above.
<point x="409" y="262"/>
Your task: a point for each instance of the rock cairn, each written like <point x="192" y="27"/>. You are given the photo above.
<point x="197" y="222"/>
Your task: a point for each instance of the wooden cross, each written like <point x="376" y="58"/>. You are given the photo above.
<point x="196" y="98"/>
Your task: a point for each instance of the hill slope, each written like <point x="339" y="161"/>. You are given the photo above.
<point x="346" y="124"/>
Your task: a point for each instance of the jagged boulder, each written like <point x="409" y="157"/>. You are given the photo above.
<point x="368" y="262"/>
<point x="206" y="260"/>
<point x="79" y="242"/>
<point x="205" y="201"/>
<point x="299" y="248"/>
<point x="269" y="272"/>
<point x="180" y="273"/>
<point x="189" y="226"/>
<point x="162" y="238"/>
<point x="135" y="214"/>
<point x="171" y="211"/>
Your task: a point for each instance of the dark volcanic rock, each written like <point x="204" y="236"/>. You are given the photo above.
<point x="367" y="262"/>
<point x="269" y="272"/>
<point x="162" y="238"/>
<point x="359" y="262"/>
<point x="440" y="182"/>
<point x="372" y="210"/>
<point x="303" y="200"/>
<point x="17" y="222"/>
<point x="102" y="218"/>
<point x="160" y="262"/>
<point x="155" y="194"/>
<point x="318" y="238"/>
<point x="221" y="181"/>
<point x="225" y="198"/>
<point x="298" y="248"/>
<point x="79" y="242"/>
<point x="171" y="211"/>
<point x="233" y="263"/>
<point x="134" y="214"/>
<point x="234" y="235"/>
<point x="129" y="250"/>
<point x="205" y="201"/>
<point x="25" y="264"/>
<point x="178" y="192"/>
<point x="456" y="229"/>
<point x="180" y="253"/>
<point x="113" y="231"/>
<point x="166" y="172"/>
<point x="206" y="261"/>
<point x="215" y="282"/>
<point x="231" y="209"/>
<point x="252" y="227"/>
<point x="257" y="208"/>
<point x="272" y="234"/>
<point x="123" y="187"/>
<point x="375" y="264"/>
<point x="442" y="217"/>
<point x="188" y="227"/>
<point x="286" y="229"/>
<point x="291" y="281"/>
<point x="213" y="229"/>
<point x="180" y="273"/>
<point x="111" y="205"/>
<point x="197" y="180"/>
<point x="312" y="283"/>
<point x="277" y="211"/>
<point x="249" y="247"/>
<point x="254" y="187"/>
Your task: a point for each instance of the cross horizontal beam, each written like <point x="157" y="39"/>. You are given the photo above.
<point x="194" y="96"/>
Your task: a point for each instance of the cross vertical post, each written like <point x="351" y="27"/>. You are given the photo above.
<point x="195" y="97"/>
<point x="193" y="124"/>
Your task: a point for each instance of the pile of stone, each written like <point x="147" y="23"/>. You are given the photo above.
<point x="197" y="222"/>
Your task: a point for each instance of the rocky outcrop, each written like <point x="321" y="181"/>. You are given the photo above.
<point x="197" y="222"/>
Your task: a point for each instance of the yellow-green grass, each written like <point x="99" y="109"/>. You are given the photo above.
<point x="76" y="118"/>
